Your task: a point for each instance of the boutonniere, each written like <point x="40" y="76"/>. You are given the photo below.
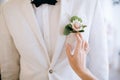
<point x="74" y="26"/>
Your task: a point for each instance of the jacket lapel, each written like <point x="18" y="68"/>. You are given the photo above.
<point x="25" y="17"/>
<point x="65" y="15"/>
<point x="29" y="14"/>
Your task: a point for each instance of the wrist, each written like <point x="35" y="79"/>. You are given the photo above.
<point x="85" y="74"/>
<point x="82" y="71"/>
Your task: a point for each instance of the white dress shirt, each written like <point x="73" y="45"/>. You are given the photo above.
<point x="48" y="23"/>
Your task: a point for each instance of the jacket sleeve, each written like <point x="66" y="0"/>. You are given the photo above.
<point x="98" y="56"/>
<point x="9" y="56"/>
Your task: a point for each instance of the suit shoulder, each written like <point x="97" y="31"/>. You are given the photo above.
<point x="8" y="5"/>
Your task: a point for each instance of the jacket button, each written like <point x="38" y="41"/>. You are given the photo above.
<point x="50" y="71"/>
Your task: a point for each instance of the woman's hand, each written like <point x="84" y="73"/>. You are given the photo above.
<point x="78" y="59"/>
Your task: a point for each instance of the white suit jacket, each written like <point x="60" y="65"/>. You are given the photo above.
<point x="23" y="51"/>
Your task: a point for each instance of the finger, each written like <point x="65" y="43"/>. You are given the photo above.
<point x="78" y="38"/>
<point x="79" y="41"/>
<point x="68" y="50"/>
<point x="78" y="45"/>
<point x="83" y="44"/>
<point x="86" y="46"/>
<point x="80" y="35"/>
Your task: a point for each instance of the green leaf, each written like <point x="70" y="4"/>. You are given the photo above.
<point x="84" y="26"/>
<point x="81" y="31"/>
<point x="66" y="32"/>
<point x="74" y="18"/>
<point x="68" y="29"/>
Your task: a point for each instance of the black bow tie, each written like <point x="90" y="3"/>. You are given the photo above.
<point x="40" y="2"/>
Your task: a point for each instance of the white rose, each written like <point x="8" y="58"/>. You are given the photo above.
<point x="76" y="25"/>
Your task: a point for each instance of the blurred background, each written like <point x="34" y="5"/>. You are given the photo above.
<point x="111" y="10"/>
